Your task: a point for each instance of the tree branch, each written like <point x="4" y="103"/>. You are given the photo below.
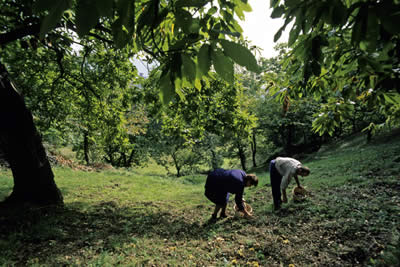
<point x="34" y="29"/>
<point x="14" y="35"/>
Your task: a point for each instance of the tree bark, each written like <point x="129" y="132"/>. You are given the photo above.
<point x="254" y="149"/>
<point x="242" y="156"/>
<point x="86" y="147"/>
<point x="24" y="151"/>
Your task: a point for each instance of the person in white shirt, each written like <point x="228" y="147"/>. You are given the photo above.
<point x="281" y="172"/>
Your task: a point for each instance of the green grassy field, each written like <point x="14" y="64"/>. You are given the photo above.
<point x="144" y="217"/>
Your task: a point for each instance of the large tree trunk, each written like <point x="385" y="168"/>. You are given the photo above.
<point x="23" y="149"/>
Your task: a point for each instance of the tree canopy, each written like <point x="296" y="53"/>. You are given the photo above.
<point x="185" y="37"/>
<point x="346" y="52"/>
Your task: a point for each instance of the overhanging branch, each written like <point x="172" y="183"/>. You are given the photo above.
<point x="14" y="35"/>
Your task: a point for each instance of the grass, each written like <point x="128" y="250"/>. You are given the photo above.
<point x="144" y="217"/>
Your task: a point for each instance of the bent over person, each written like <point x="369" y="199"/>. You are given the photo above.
<point x="220" y="183"/>
<point x="281" y="172"/>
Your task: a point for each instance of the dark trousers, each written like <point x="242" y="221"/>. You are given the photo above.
<point x="276" y="179"/>
<point x="217" y="197"/>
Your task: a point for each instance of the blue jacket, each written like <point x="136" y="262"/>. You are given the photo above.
<point x="223" y="182"/>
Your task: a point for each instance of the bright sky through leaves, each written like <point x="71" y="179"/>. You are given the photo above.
<point x="260" y="28"/>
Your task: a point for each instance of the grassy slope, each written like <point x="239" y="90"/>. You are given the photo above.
<point x="144" y="217"/>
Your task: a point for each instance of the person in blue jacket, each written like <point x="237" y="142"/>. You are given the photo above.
<point x="220" y="183"/>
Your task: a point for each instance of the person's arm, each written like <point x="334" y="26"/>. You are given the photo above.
<point x="284" y="197"/>
<point x="239" y="200"/>
<point x="240" y="203"/>
<point x="284" y="185"/>
<point x="297" y="180"/>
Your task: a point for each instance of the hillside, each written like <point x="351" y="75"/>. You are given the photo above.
<point x="144" y="217"/>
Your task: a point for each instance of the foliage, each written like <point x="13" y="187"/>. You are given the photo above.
<point x="192" y="119"/>
<point x="284" y="121"/>
<point x="87" y="99"/>
<point x="186" y="37"/>
<point x="345" y="52"/>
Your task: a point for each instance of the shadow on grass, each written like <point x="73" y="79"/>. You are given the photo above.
<point x="29" y="232"/>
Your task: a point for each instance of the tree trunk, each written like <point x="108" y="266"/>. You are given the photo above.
<point x="289" y="139"/>
<point x="242" y="156"/>
<point x="176" y="163"/>
<point x="254" y="149"/>
<point x="214" y="160"/>
<point x="23" y="149"/>
<point x="130" y="159"/>
<point x="86" y="147"/>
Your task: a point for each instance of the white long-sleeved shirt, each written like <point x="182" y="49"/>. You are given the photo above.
<point x="287" y="168"/>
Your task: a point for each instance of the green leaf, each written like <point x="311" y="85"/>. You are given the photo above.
<point x="189" y="68"/>
<point x="391" y="23"/>
<point x="167" y="88"/>
<point x="184" y="20"/>
<point x="392" y="98"/>
<point x="372" y="30"/>
<point x="273" y="3"/>
<point x="55" y="12"/>
<point x="212" y="11"/>
<point x="389" y="15"/>
<point x="223" y="65"/>
<point x="240" y="8"/>
<point x="121" y="36"/>
<point x="195" y="26"/>
<point x="179" y="84"/>
<point x="203" y="59"/>
<point x="145" y="19"/>
<point x="239" y="13"/>
<point x="123" y="27"/>
<point x="294" y="33"/>
<point x="191" y="3"/>
<point x="240" y="54"/>
<point x="244" y="5"/>
<point x="278" y="34"/>
<point x="277" y="12"/>
<point x="359" y="28"/>
<point x="235" y="34"/>
<point x="43" y="5"/>
<point x="126" y="12"/>
<point x="105" y="7"/>
<point x="339" y="14"/>
<point x="87" y="16"/>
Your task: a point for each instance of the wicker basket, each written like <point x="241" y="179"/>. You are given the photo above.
<point x="299" y="194"/>
<point x="247" y="207"/>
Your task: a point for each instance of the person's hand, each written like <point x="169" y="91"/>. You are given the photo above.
<point x="246" y="214"/>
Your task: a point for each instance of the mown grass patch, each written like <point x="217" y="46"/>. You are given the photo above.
<point x="144" y="217"/>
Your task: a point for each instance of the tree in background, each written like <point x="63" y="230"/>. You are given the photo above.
<point x="347" y="54"/>
<point x="90" y="99"/>
<point x="197" y="124"/>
